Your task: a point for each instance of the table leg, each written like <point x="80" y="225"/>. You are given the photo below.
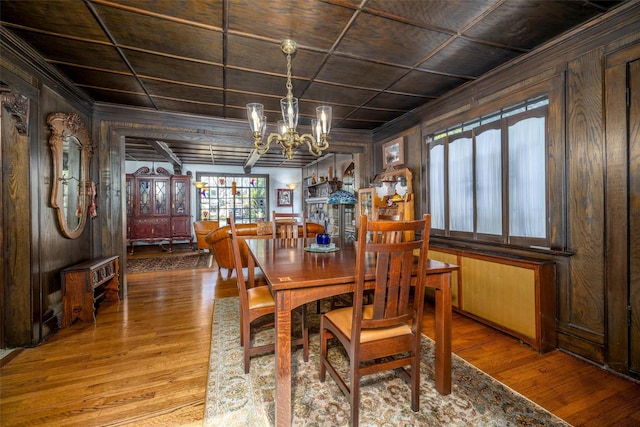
<point x="251" y="271"/>
<point x="283" y="358"/>
<point x="443" y="332"/>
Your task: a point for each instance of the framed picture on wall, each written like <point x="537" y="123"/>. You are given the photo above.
<point x="393" y="153"/>
<point x="284" y="197"/>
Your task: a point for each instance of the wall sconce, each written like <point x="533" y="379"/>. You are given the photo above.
<point x="200" y="185"/>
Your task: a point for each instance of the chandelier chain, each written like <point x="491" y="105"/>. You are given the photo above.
<point x="289" y="85"/>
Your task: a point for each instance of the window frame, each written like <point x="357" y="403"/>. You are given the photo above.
<point x="472" y="128"/>
<point x="211" y="176"/>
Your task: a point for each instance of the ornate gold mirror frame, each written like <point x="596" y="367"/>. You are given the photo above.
<point x="71" y="187"/>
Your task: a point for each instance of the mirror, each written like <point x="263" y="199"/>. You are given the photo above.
<point x="71" y="188"/>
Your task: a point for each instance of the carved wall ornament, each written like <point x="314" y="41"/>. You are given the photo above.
<point x="18" y="106"/>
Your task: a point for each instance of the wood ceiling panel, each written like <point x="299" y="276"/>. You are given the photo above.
<point x="322" y="93"/>
<point x="312" y="24"/>
<point x="205" y="12"/>
<point x="199" y="108"/>
<point x="177" y="70"/>
<point x="396" y="102"/>
<point x="96" y="78"/>
<point x="360" y="124"/>
<point x="69" y="51"/>
<point x="381" y="39"/>
<point x="241" y="54"/>
<point x="244" y="81"/>
<point x="117" y="97"/>
<point x="466" y="58"/>
<point x="527" y="23"/>
<point x="53" y="17"/>
<point x="448" y="15"/>
<point x="426" y="84"/>
<point x="370" y="114"/>
<point x="154" y="34"/>
<point x="164" y="89"/>
<point x="367" y="74"/>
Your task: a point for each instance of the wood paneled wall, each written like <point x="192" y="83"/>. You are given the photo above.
<point x="34" y="249"/>
<point x="573" y="71"/>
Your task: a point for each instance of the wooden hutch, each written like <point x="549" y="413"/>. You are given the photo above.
<point x="391" y="195"/>
<point x="158" y="207"/>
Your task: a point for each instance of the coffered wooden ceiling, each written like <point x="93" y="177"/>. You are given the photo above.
<point x="372" y="60"/>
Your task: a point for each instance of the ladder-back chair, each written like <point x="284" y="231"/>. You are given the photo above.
<point x="257" y="302"/>
<point x="285" y="225"/>
<point x="386" y="333"/>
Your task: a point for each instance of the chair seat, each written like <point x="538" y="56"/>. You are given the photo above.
<point x="260" y="297"/>
<point x="341" y="318"/>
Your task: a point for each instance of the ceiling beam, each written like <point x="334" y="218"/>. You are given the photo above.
<point x="251" y="161"/>
<point x="163" y="149"/>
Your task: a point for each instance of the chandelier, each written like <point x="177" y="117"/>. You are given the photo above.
<point x="287" y="136"/>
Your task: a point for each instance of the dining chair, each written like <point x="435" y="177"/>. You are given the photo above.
<point x="385" y="334"/>
<point x="286" y="225"/>
<point x="255" y="303"/>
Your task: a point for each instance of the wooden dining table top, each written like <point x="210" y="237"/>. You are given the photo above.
<point x="287" y="264"/>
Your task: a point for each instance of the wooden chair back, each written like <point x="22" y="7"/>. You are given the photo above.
<point x="394" y="257"/>
<point x="237" y="262"/>
<point x="383" y="217"/>
<point x="285" y="225"/>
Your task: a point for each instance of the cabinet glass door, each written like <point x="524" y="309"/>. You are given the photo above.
<point x="161" y="201"/>
<point x="129" y="197"/>
<point x="144" y="197"/>
<point x="180" y="197"/>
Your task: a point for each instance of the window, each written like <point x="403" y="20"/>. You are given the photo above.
<point x="217" y="200"/>
<point x="487" y="177"/>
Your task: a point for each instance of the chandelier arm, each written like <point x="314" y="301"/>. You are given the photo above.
<point x="261" y="147"/>
<point x="273" y="137"/>
<point x="314" y="148"/>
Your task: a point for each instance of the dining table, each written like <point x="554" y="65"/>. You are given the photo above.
<point x="297" y="273"/>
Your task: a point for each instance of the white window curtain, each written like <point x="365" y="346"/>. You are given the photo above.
<point x="436" y="180"/>
<point x="461" y="184"/>
<point x="489" y="181"/>
<point x="527" y="201"/>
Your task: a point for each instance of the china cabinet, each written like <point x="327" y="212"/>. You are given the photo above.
<point x="328" y="191"/>
<point x="316" y="195"/>
<point x="157" y="207"/>
<point x="341" y="221"/>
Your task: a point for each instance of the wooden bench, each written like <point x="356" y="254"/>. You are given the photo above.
<point x="85" y="284"/>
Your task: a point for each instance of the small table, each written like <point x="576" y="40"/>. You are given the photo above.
<point x="297" y="277"/>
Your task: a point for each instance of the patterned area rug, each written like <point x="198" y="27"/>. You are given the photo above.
<point x="169" y="262"/>
<point x="236" y="399"/>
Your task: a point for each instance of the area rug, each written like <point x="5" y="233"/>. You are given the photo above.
<point x="236" y="399"/>
<point x="169" y="262"/>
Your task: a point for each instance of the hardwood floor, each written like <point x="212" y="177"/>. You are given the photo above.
<point x="144" y="362"/>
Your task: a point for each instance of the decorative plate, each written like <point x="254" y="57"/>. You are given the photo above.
<point x="319" y="249"/>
